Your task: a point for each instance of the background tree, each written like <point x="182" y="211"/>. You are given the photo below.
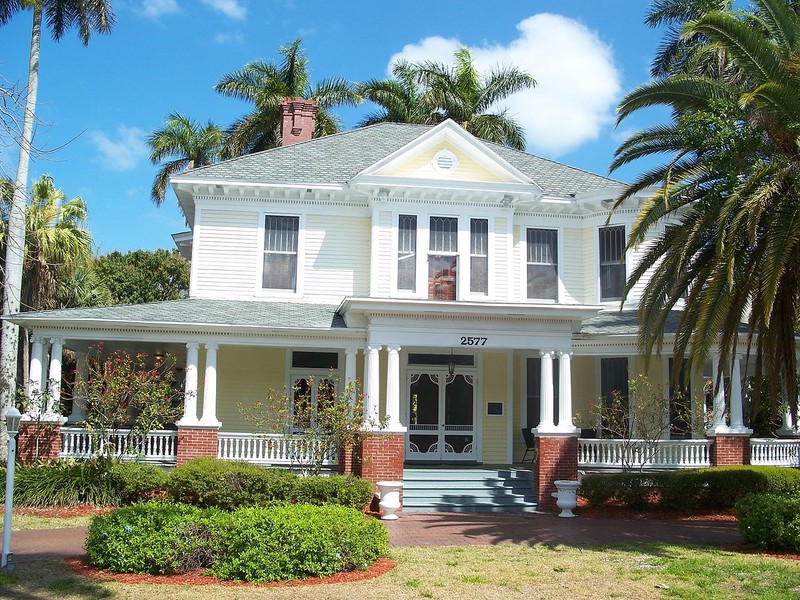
<point x="265" y="84"/>
<point x="88" y="16"/>
<point x="730" y="198"/>
<point x="186" y="144"/>
<point x="401" y="99"/>
<point x="144" y="276"/>
<point x="468" y="97"/>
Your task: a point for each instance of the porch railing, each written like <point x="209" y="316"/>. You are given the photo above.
<point x="272" y="449"/>
<point x="156" y="446"/>
<point x="667" y="454"/>
<point x="781" y="453"/>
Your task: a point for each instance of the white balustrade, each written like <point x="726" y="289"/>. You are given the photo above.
<point x="156" y="446"/>
<point x="780" y="453"/>
<point x="661" y="454"/>
<point x="273" y="449"/>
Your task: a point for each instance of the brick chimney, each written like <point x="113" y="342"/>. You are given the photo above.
<point x="297" y="120"/>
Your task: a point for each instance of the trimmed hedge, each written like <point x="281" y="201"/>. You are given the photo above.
<point x="250" y="544"/>
<point x="209" y="482"/>
<point x="770" y="521"/>
<point x="713" y="487"/>
<point x="136" y="482"/>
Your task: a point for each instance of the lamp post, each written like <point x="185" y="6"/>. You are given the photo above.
<point x="12" y="427"/>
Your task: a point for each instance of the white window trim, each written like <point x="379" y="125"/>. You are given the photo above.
<point x="598" y="290"/>
<point x="301" y="253"/>
<point x="559" y="266"/>
<point x="461" y="235"/>
<point x="489" y="259"/>
<point x="397" y="292"/>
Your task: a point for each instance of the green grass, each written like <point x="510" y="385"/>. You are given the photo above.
<point x="505" y="571"/>
<point x="26" y="522"/>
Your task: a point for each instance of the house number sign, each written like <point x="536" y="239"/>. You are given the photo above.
<point x="468" y="340"/>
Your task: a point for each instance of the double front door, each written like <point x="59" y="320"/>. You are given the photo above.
<point x="441" y="416"/>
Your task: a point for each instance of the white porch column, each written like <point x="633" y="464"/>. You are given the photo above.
<point x="373" y="385"/>
<point x="35" y="376"/>
<point x="54" y="380"/>
<point x="737" y="412"/>
<point x="546" y="424"/>
<point x="719" y="424"/>
<point x="210" y="388"/>
<point x="350" y="355"/>
<point x="393" y="390"/>
<point x="190" y="386"/>
<point x="565" y="423"/>
<point x="78" y="412"/>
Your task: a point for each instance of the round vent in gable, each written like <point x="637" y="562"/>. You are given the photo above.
<point x="445" y="161"/>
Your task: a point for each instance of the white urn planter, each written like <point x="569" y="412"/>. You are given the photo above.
<point x="389" y="495"/>
<point x="566" y="497"/>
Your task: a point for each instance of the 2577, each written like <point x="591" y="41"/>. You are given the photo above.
<point x="473" y="341"/>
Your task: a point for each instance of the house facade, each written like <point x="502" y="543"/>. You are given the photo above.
<point x="475" y="291"/>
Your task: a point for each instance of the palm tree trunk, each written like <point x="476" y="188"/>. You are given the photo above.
<point x="15" y="236"/>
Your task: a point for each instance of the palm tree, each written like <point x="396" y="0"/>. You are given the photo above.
<point x="466" y="96"/>
<point x="88" y="16"/>
<point x="265" y="84"/>
<point x="187" y="144"/>
<point x="730" y="198"/>
<point x="402" y="99"/>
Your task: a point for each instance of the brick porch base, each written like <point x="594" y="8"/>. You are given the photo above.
<point x="557" y="459"/>
<point x="731" y="450"/>
<point x="196" y="442"/>
<point x="38" y="441"/>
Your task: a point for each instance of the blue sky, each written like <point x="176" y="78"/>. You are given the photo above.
<point x="97" y="104"/>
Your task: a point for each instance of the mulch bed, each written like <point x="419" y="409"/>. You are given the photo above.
<point x="63" y="512"/>
<point x="616" y="510"/>
<point x="80" y="566"/>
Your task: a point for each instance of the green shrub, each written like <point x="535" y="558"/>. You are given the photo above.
<point x="686" y="490"/>
<point x="136" y="482"/>
<point x="292" y="542"/>
<point x="770" y="521"/>
<point x="250" y="544"/>
<point x="208" y="482"/>
<point x="155" y="537"/>
<point x="344" y="490"/>
<point x="65" y="483"/>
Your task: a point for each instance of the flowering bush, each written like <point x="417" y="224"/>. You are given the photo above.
<point x="130" y="392"/>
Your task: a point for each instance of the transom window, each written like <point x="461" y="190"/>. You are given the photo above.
<point x="612" y="262"/>
<point x="407" y="253"/>
<point x="542" y="264"/>
<point x="443" y="258"/>
<point x="280" y="252"/>
<point x="479" y="256"/>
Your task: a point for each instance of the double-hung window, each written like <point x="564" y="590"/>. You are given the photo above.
<point x="542" y="246"/>
<point x="442" y="258"/>
<point x="612" y="263"/>
<point x="479" y="256"/>
<point x="407" y="253"/>
<point x="280" y="252"/>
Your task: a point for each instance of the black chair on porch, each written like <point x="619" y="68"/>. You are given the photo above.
<point x="530" y="445"/>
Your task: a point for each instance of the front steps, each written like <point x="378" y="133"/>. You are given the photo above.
<point x="467" y="489"/>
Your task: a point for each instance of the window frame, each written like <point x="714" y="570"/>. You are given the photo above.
<point x="260" y="290"/>
<point x="559" y="253"/>
<point x="458" y="253"/>
<point x="599" y="264"/>
<point x="416" y="258"/>
<point x="487" y="257"/>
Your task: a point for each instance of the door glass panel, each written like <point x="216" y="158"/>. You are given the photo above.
<point x="458" y="400"/>
<point x="425" y="400"/>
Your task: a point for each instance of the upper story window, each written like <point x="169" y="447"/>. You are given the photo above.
<point x="479" y="256"/>
<point x="612" y="263"/>
<point x="443" y="258"/>
<point x="543" y="264"/>
<point x="407" y="253"/>
<point x="280" y="252"/>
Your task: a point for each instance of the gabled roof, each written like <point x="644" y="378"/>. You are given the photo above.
<point x="336" y="159"/>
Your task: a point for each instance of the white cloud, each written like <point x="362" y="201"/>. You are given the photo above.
<point x="122" y="151"/>
<point x="229" y="38"/>
<point x="578" y="84"/>
<point x="156" y="8"/>
<point x="230" y="8"/>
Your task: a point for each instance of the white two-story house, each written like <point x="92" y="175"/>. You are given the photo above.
<point x="475" y="290"/>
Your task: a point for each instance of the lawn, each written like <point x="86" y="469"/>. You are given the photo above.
<point x="474" y="572"/>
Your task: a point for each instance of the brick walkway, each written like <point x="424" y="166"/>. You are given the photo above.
<point x="450" y="529"/>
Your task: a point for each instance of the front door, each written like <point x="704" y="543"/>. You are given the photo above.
<point x="441" y="416"/>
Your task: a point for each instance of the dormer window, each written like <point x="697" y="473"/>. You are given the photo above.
<point x="280" y="252"/>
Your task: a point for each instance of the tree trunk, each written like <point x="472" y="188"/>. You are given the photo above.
<point x="15" y="235"/>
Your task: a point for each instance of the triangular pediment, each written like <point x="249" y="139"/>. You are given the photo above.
<point x="447" y="155"/>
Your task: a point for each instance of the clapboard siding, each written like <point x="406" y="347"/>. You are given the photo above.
<point x="421" y="166"/>
<point x="590" y="267"/>
<point x="227" y="254"/>
<point x="386" y="255"/>
<point x="573" y="263"/>
<point x="336" y="256"/>
<point x="495" y="389"/>
<point x="517" y="259"/>
<point x="503" y="264"/>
